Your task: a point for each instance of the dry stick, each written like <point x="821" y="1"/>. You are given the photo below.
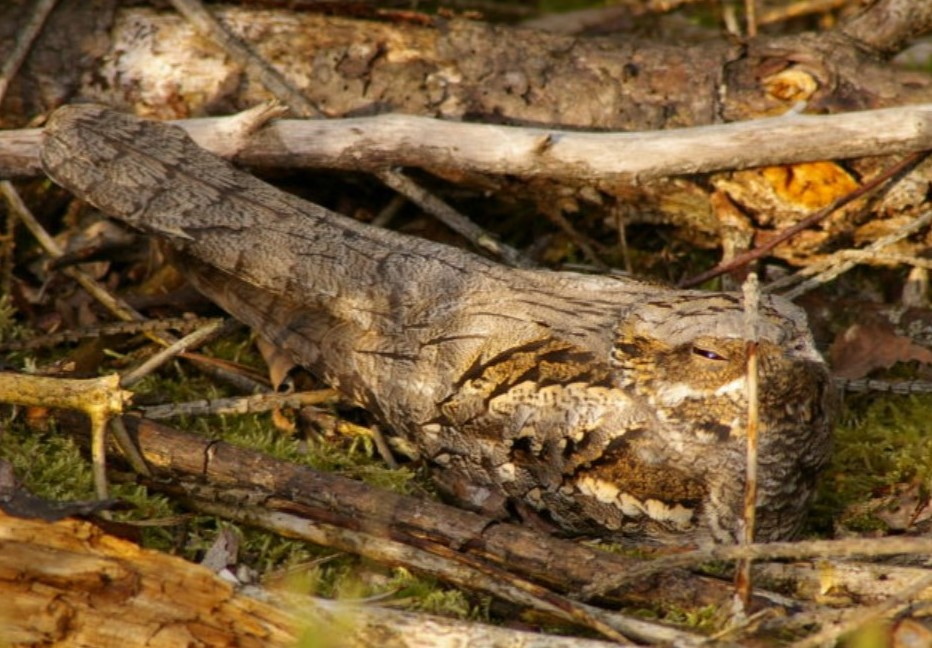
<point x="26" y="34"/>
<point x="152" y="363"/>
<point x="181" y="324"/>
<point x="285" y="92"/>
<point x="115" y="306"/>
<point x="868" y="256"/>
<point x="842" y="261"/>
<point x="865" y="385"/>
<point x="758" y="252"/>
<point x="743" y="584"/>
<point x="444" y="565"/>
<point x="770" y="551"/>
<point x="799" y="9"/>
<point x="579" y="612"/>
<point x="568" y="156"/>
<point x="240" y="404"/>
<point x="750" y="16"/>
<point x="99" y="398"/>
<point x="451" y="217"/>
<point x="243" y="54"/>
<point x="827" y="636"/>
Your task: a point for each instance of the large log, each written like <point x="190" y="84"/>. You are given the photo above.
<point x="154" y="63"/>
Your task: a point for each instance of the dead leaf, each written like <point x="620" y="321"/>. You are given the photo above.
<point x="862" y="348"/>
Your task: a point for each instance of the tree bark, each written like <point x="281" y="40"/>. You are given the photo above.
<point x="154" y="63"/>
<point x="69" y="583"/>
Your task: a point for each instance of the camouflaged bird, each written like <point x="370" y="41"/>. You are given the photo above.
<point x="605" y="406"/>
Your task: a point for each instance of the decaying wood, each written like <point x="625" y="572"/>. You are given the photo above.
<point x="453" y="69"/>
<point x="243" y="485"/>
<point x="331" y="499"/>
<point x="462" y="70"/>
<point x="70" y="583"/>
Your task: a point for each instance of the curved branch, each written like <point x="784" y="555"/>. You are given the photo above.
<point x="887" y="26"/>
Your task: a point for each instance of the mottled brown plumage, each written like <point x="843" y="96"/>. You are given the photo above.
<point x="609" y="406"/>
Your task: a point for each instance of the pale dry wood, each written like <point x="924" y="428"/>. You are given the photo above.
<point x="238" y="50"/>
<point x="406" y="140"/>
<point x="69" y="583"/>
<point x="373" y="143"/>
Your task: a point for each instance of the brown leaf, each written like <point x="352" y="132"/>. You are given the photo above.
<point x="860" y="349"/>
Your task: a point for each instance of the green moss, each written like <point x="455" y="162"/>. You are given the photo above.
<point x="47" y="463"/>
<point x="880" y="440"/>
<point x="703" y="618"/>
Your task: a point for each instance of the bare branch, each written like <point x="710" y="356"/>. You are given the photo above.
<point x="369" y="143"/>
<point x="888" y="25"/>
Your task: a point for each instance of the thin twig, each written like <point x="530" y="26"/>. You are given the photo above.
<point x="244" y="55"/>
<point x="769" y="551"/>
<point x="439" y="564"/>
<point x="750" y="17"/>
<point x="25" y="36"/>
<point x="743" y="584"/>
<point x="451" y="217"/>
<point x="752" y="255"/>
<point x="840" y="262"/>
<point x="798" y="9"/>
<point x="180" y="324"/>
<point x="285" y="92"/>
<point x="240" y="404"/>
<point x="828" y="635"/>
<point x="864" y="385"/>
<point x="197" y="338"/>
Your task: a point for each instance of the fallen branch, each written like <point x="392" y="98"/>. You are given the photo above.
<point x="336" y="501"/>
<point x="69" y="583"/>
<point x="373" y="143"/>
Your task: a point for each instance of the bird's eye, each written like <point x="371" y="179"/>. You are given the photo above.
<point x="707" y="354"/>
